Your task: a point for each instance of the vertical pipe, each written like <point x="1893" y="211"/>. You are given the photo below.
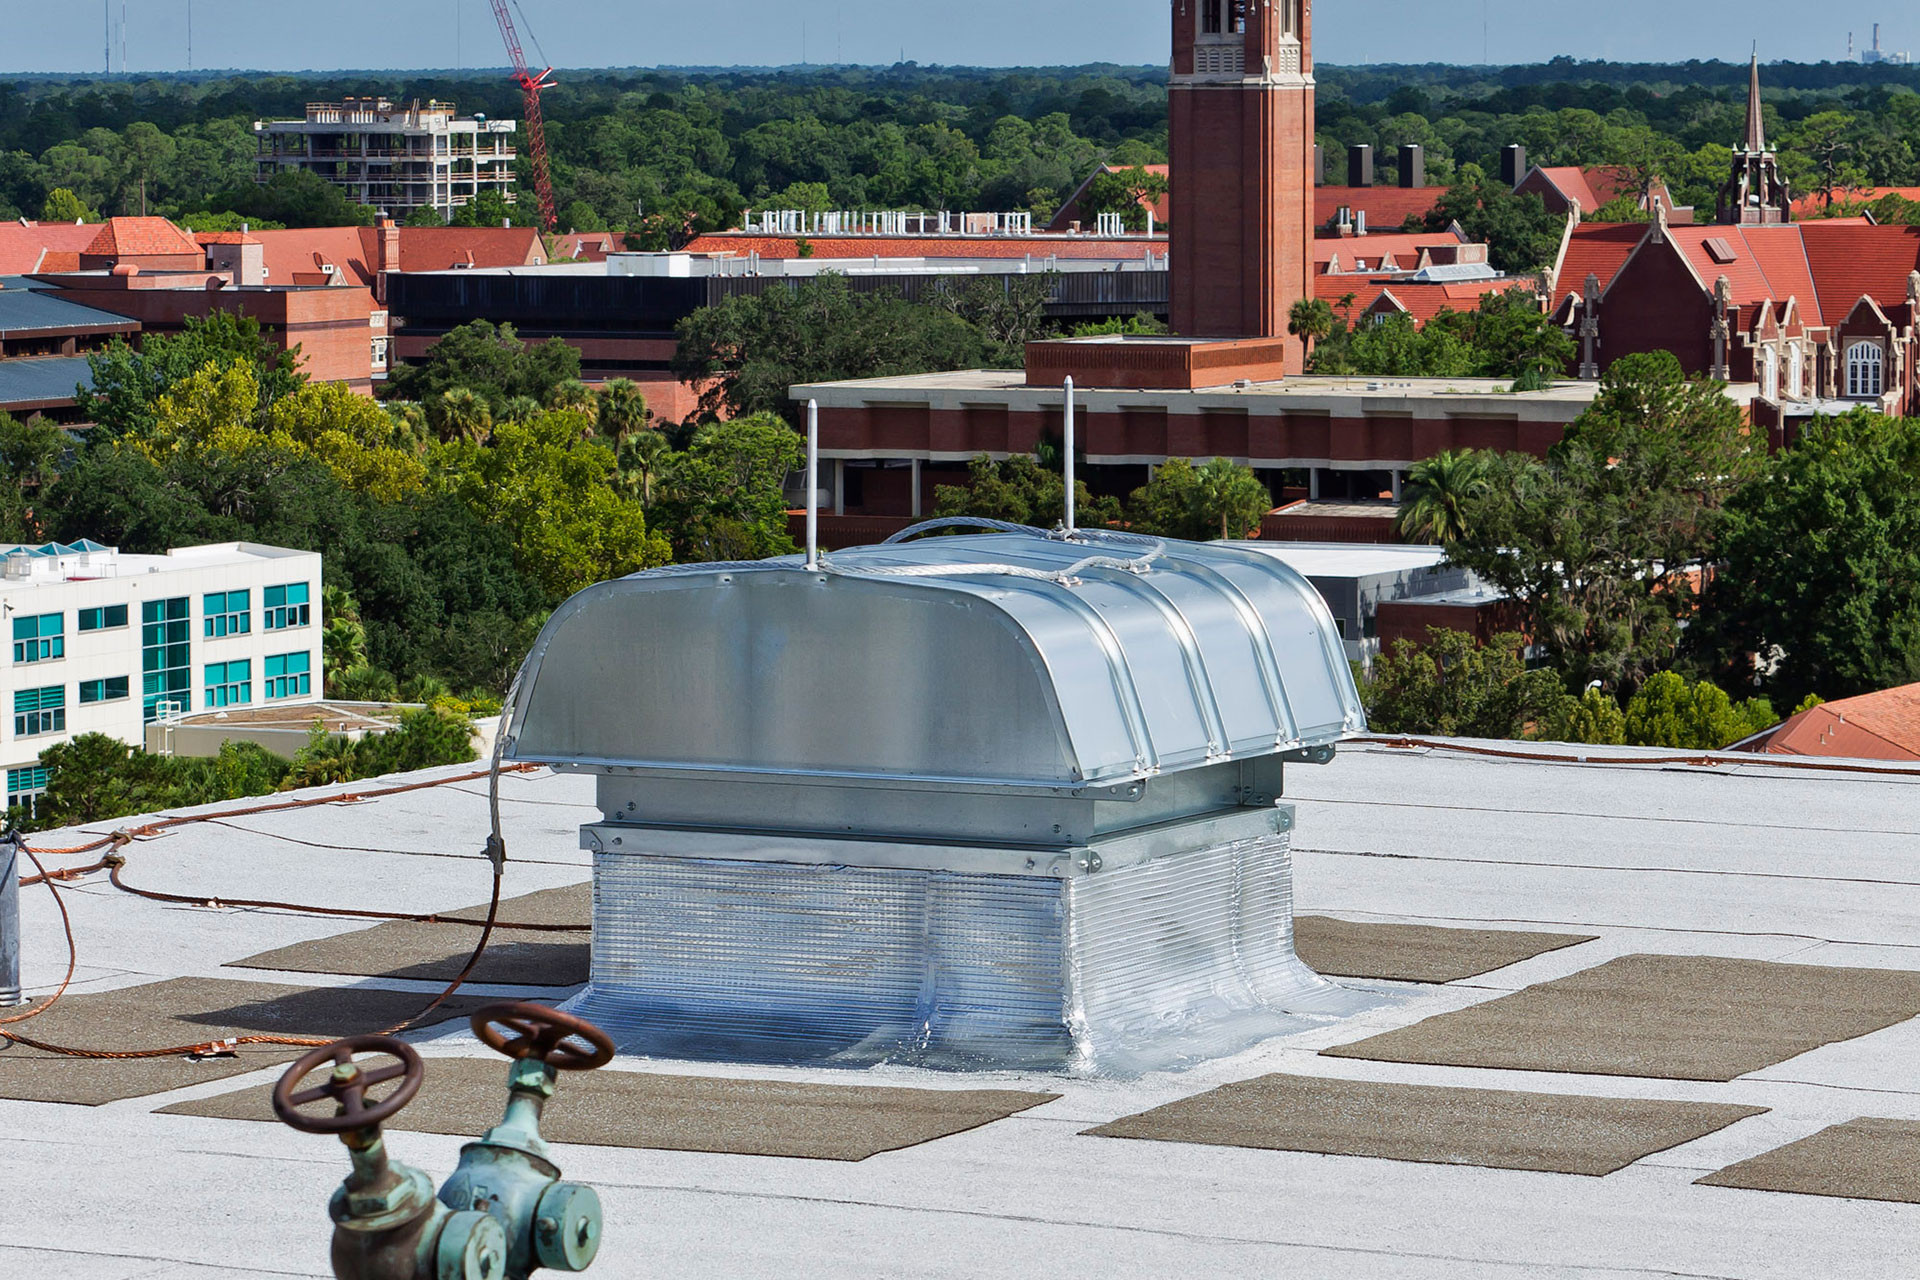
<point x="1069" y="457"/>
<point x="813" y="484"/>
<point x="10" y="925"/>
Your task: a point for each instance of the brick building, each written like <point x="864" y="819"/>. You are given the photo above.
<point x="1820" y="316"/>
<point x="1228" y="384"/>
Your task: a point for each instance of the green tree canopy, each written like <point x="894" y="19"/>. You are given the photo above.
<point x="1218" y="499"/>
<point x="492" y="363"/>
<point x="1820" y="566"/>
<point x="724" y="497"/>
<point x="129" y="382"/>
<point x="1670" y="711"/>
<point x="1601" y="542"/>
<point x="1020" y="490"/>
<point x="296" y="198"/>
<point x="63" y="206"/>
<point x="1454" y="686"/>
<point x="747" y="352"/>
<point x="1520" y="233"/>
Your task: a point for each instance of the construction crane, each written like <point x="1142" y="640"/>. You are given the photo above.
<point x="531" y="87"/>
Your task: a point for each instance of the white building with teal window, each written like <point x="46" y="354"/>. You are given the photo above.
<point x="107" y="643"/>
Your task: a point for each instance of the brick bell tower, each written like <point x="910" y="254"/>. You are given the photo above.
<point x="1241" y="143"/>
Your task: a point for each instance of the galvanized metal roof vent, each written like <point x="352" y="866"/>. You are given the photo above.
<point x="1006" y="800"/>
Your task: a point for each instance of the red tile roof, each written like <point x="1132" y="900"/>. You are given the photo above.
<point x="1878" y="726"/>
<point x="586" y="246"/>
<point x="1036" y="247"/>
<point x="140" y="238"/>
<point x="1852" y="262"/>
<point x="1572" y="183"/>
<point x="1423" y="301"/>
<point x="1809" y="205"/>
<point x="1403" y="247"/>
<point x="297" y="256"/>
<point x="1596" y="249"/>
<point x="1387" y="208"/>
<point x="24" y="246"/>
<point x="443" y="248"/>
<point x="204" y="238"/>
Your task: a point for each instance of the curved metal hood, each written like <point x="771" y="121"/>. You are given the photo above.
<point x="1016" y="659"/>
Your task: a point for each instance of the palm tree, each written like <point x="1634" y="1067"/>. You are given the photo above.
<point x="622" y="410"/>
<point x="1312" y="321"/>
<point x="520" y="409"/>
<point x="572" y="394"/>
<point x="1232" y="494"/>
<point x="640" y="460"/>
<point x="1438" y="500"/>
<point x="343" y="638"/>
<point x="459" y="414"/>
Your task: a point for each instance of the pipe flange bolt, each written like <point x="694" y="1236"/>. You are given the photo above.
<point x="566" y="1227"/>
<point x="473" y="1246"/>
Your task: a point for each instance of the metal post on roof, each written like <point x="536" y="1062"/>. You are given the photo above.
<point x="813" y="484"/>
<point x="1069" y="456"/>
<point x="10" y="994"/>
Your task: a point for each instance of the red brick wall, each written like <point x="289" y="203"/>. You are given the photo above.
<point x="331" y="326"/>
<point x="1396" y="620"/>
<point x="1656" y="304"/>
<point x="1242" y="195"/>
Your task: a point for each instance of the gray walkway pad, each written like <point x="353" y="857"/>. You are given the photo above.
<point x="1664" y="1017"/>
<point x="437" y="952"/>
<point x="1416" y="953"/>
<point x="684" y="1113"/>
<point x="1545" y="1132"/>
<point x="187" y="1011"/>
<point x="1865" y="1159"/>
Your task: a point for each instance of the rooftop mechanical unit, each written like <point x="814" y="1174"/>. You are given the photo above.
<point x="1002" y="801"/>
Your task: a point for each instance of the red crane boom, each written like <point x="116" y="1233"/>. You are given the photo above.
<point x="531" y="87"/>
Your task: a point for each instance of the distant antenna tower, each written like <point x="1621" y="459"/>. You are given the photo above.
<point x="189" y="35"/>
<point x="106" y="16"/>
<point x="123" y="37"/>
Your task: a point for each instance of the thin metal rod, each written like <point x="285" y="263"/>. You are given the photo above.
<point x="813" y="484"/>
<point x="10" y="925"/>
<point x="1069" y="457"/>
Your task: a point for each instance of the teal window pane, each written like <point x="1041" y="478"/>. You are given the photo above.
<point x="286" y="606"/>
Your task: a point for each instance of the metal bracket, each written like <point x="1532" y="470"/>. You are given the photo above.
<point x="1309" y="755"/>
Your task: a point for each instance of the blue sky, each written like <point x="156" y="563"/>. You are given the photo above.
<point x="69" y="35"/>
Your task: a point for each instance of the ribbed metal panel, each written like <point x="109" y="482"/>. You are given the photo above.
<point x="739" y="960"/>
<point x="1158" y="965"/>
<point x="1189" y="958"/>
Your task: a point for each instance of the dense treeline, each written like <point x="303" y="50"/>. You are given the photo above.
<point x="453" y="518"/>
<point x="664" y="154"/>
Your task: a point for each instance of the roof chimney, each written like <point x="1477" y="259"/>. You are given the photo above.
<point x="1360" y="165"/>
<point x="1513" y="164"/>
<point x="1413" y="165"/>
<point x="387" y="257"/>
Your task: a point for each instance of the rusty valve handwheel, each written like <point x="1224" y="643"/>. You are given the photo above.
<point x="347" y="1086"/>
<point x="547" y="1034"/>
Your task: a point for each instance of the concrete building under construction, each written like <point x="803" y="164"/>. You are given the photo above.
<point x="393" y="158"/>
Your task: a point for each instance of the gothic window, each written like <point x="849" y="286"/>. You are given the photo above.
<point x="1865" y="371"/>
<point x="1237" y="17"/>
<point x="1796" y="373"/>
<point x="1770" y="375"/>
<point x="1211" y="17"/>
